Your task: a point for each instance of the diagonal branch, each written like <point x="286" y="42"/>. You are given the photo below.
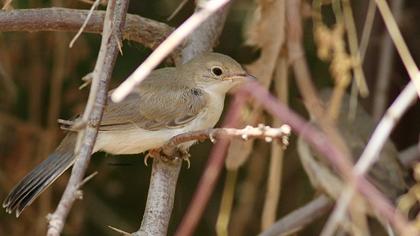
<point x="176" y="38"/>
<point x="112" y="36"/>
<point x="301" y="217"/>
<point x="145" y="31"/>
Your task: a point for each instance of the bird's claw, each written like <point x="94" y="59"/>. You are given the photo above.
<point x="179" y="155"/>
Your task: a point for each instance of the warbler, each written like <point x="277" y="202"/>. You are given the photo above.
<point x="170" y="101"/>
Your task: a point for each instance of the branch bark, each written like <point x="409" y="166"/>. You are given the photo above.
<point x="112" y="36"/>
<point x="145" y="31"/>
<point x="301" y="217"/>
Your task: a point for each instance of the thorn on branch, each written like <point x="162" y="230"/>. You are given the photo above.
<point x="87" y="80"/>
<point x="72" y="125"/>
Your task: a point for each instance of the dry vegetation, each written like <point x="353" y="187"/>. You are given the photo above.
<point x="364" y="51"/>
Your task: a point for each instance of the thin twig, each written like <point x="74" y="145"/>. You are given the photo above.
<point x="226" y="203"/>
<point x="367" y="29"/>
<point x="147" y="32"/>
<point x="410" y="155"/>
<point x="301" y="217"/>
<point x="261" y="132"/>
<point x="398" y="40"/>
<point x="274" y="182"/>
<point x="385" y="65"/>
<point x="354" y="48"/>
<point x="177" y="10"/>
<point x="94" y="6"/>
<point x="114" y="21"/>
<point x="166" y="47"/>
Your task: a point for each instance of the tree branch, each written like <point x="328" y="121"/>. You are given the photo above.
<point x="145" y="31"/>
<point x="112" y="36"/>
<point x="301" y="217"/>
<point x="261" y="132"/>
<point x="160" y="199"/>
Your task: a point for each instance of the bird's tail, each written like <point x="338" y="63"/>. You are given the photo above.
<point x="33" y="184"/>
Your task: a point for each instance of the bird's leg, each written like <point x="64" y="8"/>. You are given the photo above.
<point x="177" y="154"/>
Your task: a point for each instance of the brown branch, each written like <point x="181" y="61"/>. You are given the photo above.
<point x="301" y="217"/>
<point x="112" y="36"/>
<point x="160" y="199"/>
<point x="147" y="32"/>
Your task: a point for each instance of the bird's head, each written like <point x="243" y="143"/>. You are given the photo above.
<point x="216" y="72"/>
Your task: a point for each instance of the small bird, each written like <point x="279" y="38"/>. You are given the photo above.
<point x="387" y="174"/>
<point x="170" y="101"/>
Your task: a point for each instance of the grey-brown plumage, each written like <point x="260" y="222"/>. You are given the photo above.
<point x="33" y="184"/>
<point x="170" y="101"/>
<point x="387" y="174"/>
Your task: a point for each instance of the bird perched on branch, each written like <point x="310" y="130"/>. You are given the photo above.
<point x="169" y="102"/>
<point x="387" y="174"/>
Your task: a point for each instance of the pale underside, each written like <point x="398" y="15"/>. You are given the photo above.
<point x="147" y="120"/>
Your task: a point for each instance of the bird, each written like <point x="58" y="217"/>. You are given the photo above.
<point x="170" y="101"/>
<point x="387" y="174"/>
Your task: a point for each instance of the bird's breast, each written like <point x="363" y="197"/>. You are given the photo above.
<point x="210" y="115"/>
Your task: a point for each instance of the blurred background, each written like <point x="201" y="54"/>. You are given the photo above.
<point x="39" y="80"/>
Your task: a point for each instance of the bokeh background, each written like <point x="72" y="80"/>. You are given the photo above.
<point x="39" y="80"/>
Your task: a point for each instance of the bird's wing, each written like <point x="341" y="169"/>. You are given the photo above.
<point x="162" y="108"/>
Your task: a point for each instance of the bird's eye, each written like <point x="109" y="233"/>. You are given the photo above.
<point x="216" y="70"/>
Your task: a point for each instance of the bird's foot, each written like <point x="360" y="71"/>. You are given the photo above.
<point x="178" y="154"/>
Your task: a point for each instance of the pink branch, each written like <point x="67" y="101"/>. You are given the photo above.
<point x="211" y="173"/>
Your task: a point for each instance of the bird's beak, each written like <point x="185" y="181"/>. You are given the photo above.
<point x="249" y="77"/>
<point x="241" y="78"/>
